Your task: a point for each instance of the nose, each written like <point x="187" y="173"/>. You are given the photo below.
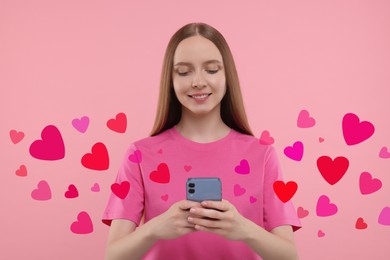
<point x="198" y="81"/>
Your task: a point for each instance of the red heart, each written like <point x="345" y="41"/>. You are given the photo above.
<point x="72" y="192"/>
<point x="98" y="159"/>
<point x="161" y="175"/>
<point x="118" y="124"/>
<point x="121" y="189"/>
<point x="83" y="225"/>
<point x="22" y="171"/>
<point x="285" y="191"/>
<point x="332" y="170"/>
<point x="360" y="224"/>
<point x="16" y="136"/>
<point x="354" y="131"/>
<point x="51" y="147"/>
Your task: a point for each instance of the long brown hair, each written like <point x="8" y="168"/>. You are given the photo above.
<point x="169" y="108"/>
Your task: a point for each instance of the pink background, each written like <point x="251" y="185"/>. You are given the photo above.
<point x="61" y="60"/>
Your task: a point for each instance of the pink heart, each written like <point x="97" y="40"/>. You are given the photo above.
<point x="243" y="167"/>
<point x="238" y="190"/>
<point x="266" y="138"/>
<point x="42" y="192"/>
<point x="252" y="199"/>
<point x="187" y="168"/>
<point x="384" y="216"/>
<point x="51" y="147"/>
<point x="16" y="136"/>
<point x="368" y="184"/>
<point x="72" y="192"/>
<point x="302" y="213"/>
<point x="384" y="153"/>
<point x="164" y="197"/>
<point x="320" y="139"/>
<point x="22" y="171"/>
<point x="136" y="156"/>
<point x="83" y="225"/>
<point x="355" y="131"/>
<point x="81" y="124"/>
<point x="95" y="187"/>
<point x="325" y="208"/>
<point x="160" y="151"/>
<point x="304" y="120"/>
<point x="320" y="233"/>
<point x="294" y="152"/>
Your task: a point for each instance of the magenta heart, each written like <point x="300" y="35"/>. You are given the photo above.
<point x="72" y="192"/>
<point x="266" y="138"/>
<point x="95" y="187"/>
<point x="320" y="233"/>
<point x="42" y="192"/>
<point x="367" y="184"/>
<point x="252" y="199"/>
<point x="51" y="147"/>
<point x="243" y="167"/>
<point x="187" y="168"/>
<point x="81" y="124"/>
<point x="238" y="190"/>
<point x="304" y="120"/>
<point x="164" y="197"/>
<point x="294" y="152"/>
<point x="384" y="153"/>
<point x="355" y="131"/>
<point x="324" y="207"/>
<point x="83" y="225"/>
<point x="384" y="216"/>
<point x="136" y="156"/>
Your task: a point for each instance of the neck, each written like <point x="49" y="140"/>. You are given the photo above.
<point x="202" y="128"/>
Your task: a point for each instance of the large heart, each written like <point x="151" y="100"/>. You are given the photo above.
<point x="42" y="192"/>
<point x="118" y="124"/>
<point x="83" y="225"/>
<point x="324" y="207"/>
<point x="121" y="189"/>
<point x="98" y="159"/>
<point x="294" y="152"/>
<point x="51" y="147"/>
<point x="368" y="184"/>
<point x="161" y="175"/>
<point x="355" y="131"/>
<point x="332" y="170"/>
<point x="243" y="167"/>
<point x="285" y="191"/>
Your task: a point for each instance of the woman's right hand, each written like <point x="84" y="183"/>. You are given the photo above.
<point x="173" y="223"/>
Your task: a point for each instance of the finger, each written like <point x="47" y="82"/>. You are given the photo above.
<point x="204" y="222"/>
<point x="218" y="205"/>
<point x="206" y="213"/>
<point x="187" y="204"/>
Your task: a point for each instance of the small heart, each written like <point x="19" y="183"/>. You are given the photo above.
<point x="187" y="168"/>
<point x="161" y="175"/>
<point x="22" y="171"/>
<point x="321" y="140"/>
<point x="354" y="131"/>
<point x="320" y="233"/>
<point x="51" y="147"/>
<point x="332" y="170"/>
<point x="384" y="153"/>
<point x="302" y="213"/>
<point x="121" y="189"/>
<point x="285" y="191"/>
<point x="16" y="136"/>
<point x="42" y="192"/>
<point x="81" y="124"/>
<point x="72" y="192"/>
<point x="367" y="184"/>
<point x="164" y="197"/>
<point x="384" y="216"/>
<point x="136" y="156"/>
<point x="243" y="167"/>
<point x="97" y="160"/>
<point x="95" y="187"/>
<point x="304" y="120"/>
<point x="238" y="190"/>
<point x="294" y="152"/>
<point x="360" y="224"/>
<point x="83" y="225"/>
<point x="324" y="207"/>
<point x="266" y="138"/>
<point x="118" y="124"/>
<point x="252" y="199"/>
<point x="160" y="151"/>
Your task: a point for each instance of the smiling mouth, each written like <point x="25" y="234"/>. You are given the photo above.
<point x="203" y="96"/>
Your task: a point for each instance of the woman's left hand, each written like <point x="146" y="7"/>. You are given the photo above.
<point x="220" y="217"/>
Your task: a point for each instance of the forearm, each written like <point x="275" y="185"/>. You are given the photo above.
<point x="132" y="246"/>
<point x="268" y="245"/>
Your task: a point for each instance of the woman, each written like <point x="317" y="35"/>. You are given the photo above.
<point x="200" y="130"/>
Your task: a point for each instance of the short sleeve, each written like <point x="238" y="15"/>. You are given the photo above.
<point x="126" y="200"/>
<point x="276" y="212"/>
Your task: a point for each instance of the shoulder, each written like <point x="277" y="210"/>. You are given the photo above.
<point x="248" y="141"/>
<point x="152" y="141"/>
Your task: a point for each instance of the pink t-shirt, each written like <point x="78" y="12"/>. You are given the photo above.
<point x="158" y="167"/>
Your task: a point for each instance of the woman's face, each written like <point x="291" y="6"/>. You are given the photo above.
<point x="198" y="76"/>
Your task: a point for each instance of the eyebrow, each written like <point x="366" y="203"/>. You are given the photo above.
<point x="182" y="63"/>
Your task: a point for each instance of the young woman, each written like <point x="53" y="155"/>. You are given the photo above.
<point x="200" y="130"/>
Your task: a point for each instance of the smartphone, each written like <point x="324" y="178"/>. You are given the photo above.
<point x="200" y="189"/>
